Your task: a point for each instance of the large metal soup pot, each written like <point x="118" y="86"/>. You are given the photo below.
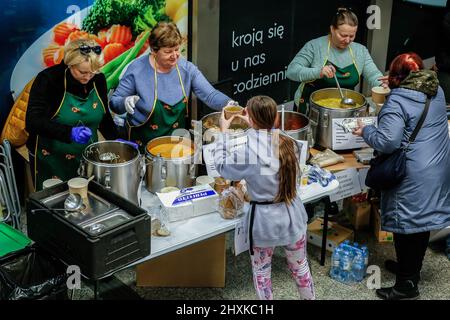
<point x="211" y="127"/>
<point x="173" y="169"/>
<point x="321" y="117"/>
<point x="296" y="125"/>
<point x="116" y="165"/>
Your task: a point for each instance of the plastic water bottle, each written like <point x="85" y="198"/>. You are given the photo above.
<point x="358" y="269"/>
<point x="365" y="252"/>
<point x="335" y="258"/>
<point x="345" y="265"/>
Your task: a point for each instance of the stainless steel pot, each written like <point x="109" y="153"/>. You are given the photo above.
<point x="168" y="172"/>
<point x="211" y="127"/>
<point x="116" y="165"/>
<point x="322" y="117"/>
<point x="296" y="125"/>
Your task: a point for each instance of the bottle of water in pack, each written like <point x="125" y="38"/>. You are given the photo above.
<point x="345" y="265"/>
<point x="365" y="252"/>
<point x="358" y="268"/>
<point x="335" y="258"/>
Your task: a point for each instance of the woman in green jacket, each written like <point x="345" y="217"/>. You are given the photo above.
<point x="320" y="59"/>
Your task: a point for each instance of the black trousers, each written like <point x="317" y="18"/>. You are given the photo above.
<point x="410" y="250"/>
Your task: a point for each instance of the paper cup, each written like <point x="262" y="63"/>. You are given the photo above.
<point x="169" y="189"/>
<point x="232" y="111"/>
<point x="50" y="183"/>
<point x="379" y="94"/>
<point x="205" y="180"/>
<point x="80" y="186"/>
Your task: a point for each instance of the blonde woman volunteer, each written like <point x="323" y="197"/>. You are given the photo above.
<point x="155" y="88"/>
<point x="68" y="103"/>
<point x="320" y="59"/>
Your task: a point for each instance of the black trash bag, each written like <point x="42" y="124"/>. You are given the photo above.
<point x="32" y="274"/>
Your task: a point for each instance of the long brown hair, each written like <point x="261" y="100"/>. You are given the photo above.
<point x="263" y="112"/>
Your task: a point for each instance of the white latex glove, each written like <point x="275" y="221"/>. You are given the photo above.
<point x="130" y="103"/>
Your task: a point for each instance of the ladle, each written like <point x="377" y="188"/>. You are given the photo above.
<point x="73" y="203"/>
<point x="345" y="102"/>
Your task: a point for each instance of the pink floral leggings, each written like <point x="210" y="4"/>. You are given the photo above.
<point x="297" y="263"/>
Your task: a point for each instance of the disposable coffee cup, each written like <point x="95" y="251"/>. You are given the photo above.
<point x="80" y="186"/>
<point x="50" y="183"/>
<point x="201" y="180"/>
<point x="379" y="94"/>
<point x="232" y="111"/>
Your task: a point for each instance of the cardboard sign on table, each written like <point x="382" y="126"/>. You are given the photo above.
<point x="343" y="140"/>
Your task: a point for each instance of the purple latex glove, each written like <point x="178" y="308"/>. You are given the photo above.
<point x="134" y="145"/>
<point x="81" y="135"/>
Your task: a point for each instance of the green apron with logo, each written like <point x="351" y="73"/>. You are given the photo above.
<point x="60" y="160"/>
<point x="162" y="120"/>
<point x="348" y="78"/>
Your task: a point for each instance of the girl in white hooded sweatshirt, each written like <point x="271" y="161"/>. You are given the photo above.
<point x="269" y="165"/>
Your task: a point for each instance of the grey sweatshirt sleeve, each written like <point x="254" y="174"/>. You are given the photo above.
<point x="126" y="88"/>
<point x="300" y="67"/>
<point x="370" y="70"/>
<point x="205" y="91"/>
<point x="388" y="136"/>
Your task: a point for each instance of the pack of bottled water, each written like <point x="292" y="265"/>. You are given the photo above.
<point x="349" y="262"/>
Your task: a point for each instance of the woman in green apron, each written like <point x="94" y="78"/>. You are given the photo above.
<point x="155" y="88"/>
<point x="68" y="104"/>
<point x="320" y="59"/>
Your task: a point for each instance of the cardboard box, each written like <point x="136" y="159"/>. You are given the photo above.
<point x="189" y="202"/>
<point x="358" y="213"/>
<point x="336" y="234"/>
<point x="199" y="265"/>
<point x="380" y="235"/>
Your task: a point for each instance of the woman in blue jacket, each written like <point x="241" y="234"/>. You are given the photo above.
<point x="421" y="202"/>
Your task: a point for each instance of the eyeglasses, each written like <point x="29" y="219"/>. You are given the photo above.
<point x="85" y="49"/>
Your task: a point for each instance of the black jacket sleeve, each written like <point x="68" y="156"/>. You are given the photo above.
<point x="39" y="112"/>
<point x="107" y="127"/>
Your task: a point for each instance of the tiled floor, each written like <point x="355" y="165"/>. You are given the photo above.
<point x="435" y="282"/>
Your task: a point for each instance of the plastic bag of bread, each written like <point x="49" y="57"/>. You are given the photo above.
<point x="326" y="158"/>
<point x="241" y="188"/>
<point x="231" y="203"/>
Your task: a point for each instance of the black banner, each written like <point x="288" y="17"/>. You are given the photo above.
<point x="259" y="38"/>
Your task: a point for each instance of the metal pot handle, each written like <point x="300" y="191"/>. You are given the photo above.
<point x="142" y="166"/>
<point x="314" y="116"/>
<point x="310" y="136"/>
<point x="192" y="171"/>
<point x="107" y="179"/>
<point x="325" y="120"/>
<point x="163" y="171"/>
<point x="81" y="168"/>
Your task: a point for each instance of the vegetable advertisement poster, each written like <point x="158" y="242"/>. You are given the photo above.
<point x="36" y="32"/>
